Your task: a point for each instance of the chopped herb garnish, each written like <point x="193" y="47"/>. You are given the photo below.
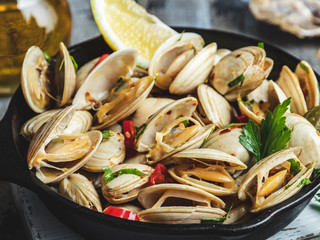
<point x="219" y="220"/>
<point x="121" y="84"/>
<point x="236" y="81"/>
<point x="274" y="133"/>
<point x="233" y="124"/>
<point x="95" y="118"/>
<point x="305" y="181"/>
<point x="61" y="64"/>
<point x="316" y="170"/>
<point x="75" y="64"/>
<point x="109" y="175"/>
<point x="294" y="166"/>
<point x="204" y="43"/>
<point x="179" y="39"/>
<point x="48" y="57"/>
<point x="106" y="134"/>
<point x="304" y="67"/>
<point x="261" y="45"/>
<point x="287" y="186"/>
<point x="248" y="102"/>
<point x="206" y="139"/>
<point x="140" y="130"/>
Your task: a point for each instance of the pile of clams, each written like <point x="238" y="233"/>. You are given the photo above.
<point x="164" y="142"/>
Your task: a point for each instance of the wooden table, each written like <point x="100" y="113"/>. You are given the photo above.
<point x="227" y="15"/>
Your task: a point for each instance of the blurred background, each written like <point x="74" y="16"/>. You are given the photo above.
<point x="22" y="215"/>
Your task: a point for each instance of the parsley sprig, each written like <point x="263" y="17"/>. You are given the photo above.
<point x="274" y="133"/>
<point x="109" y="175"/>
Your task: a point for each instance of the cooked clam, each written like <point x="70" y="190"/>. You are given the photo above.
<point x="125" y="186"/>
<point x="304" y="135"/>
<point x="266" y="97"/>
<point x="272" y="180"/>
<point x="177" y="203"/>
<point x="148" y="107"/>
<point x="110" y="152"/>
<point x="171" y="57"/>
<point x="171" y="130"/>
<point x="65" y="76"/>
<point x="55" y="155"/>
<point x="35" y="81"/>
<point x="79" y="189"/>
<point x="213" y="108"/>
<point x="84" y="71"/>
<point x="97" y="86"/>
<point x="227" y="140"/>
<point x="240" y="72"/>
<point x="123" y="100"/>
<point x="80" y="122"/>
<point x="207" y="169"/>
<point x="195" y="72"/>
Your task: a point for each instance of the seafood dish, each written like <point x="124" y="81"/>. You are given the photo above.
<point x="200" y="136"/>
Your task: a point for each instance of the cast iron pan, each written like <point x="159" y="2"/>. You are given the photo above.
<point x="94" y="225"/>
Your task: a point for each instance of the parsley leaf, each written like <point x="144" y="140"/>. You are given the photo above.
<point x="316" y="171"/>
<point x="179" y="39"/>
<point x="109" y="175"/>
<point x="305" y="181"/>
<point x="48" y="57"/>
<point x="233" y="125"/>
<point x="106" y="134"/>
<point x="294" y="166"/>
<point x="74" y="63"/>
<point x="206" y="139"/>
<point x="274" y="133"/>
<point x="261" y="45"/>
<point x="304" y="67"/>
<point x="251" y="139"/>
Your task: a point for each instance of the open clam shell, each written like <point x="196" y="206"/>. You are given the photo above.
<point x="84" y="71"/>
<point x="195" y="72"/>
<point x="166" y="115"/>
<point x="213" y="107"/>
<point x="125" y="187"/>
<point x="65" y="76"/>
<point x="271" y="181"/>
<point x="103" y="78"/>
<point x="250" y="63"/>
<point x="124" y="102"/>
<point x="148" y="107"/>
<point x="308" y="83"/>
<point x="110" y="152"/>
<point x="289" y="83"/>
<point x="80" y="122"/>
<point x="55" y="155"/>
<point x="266" y="97"/>
<point x="207" y="170"/>
<point x="171" y="57"/>
<point x="177" y="203"/>
<point x="304" y="135"/>
<point x="34" y="80"/>
<point x="227" y="140"/>
<point x="79" y="189"/>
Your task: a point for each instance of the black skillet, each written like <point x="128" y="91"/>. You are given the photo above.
<point x="94" y="225"/>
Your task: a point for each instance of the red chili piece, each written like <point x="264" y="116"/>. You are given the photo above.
<point x="128" y="132"/>
<point x="160" y="175"/>
<point x="120" y="213"/>
<point x="104" y="56"/>
<point x="242" y="119"/>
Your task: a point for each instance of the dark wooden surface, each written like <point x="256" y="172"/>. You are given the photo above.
<point x="227" y="15"/>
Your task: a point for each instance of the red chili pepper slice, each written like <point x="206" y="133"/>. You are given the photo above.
<point x="242" y="119"/>
<point x="128" y="132"/>
<point x="160" y="175"/>
<point x="104" y="56"/>
<point x="120" y="213"/>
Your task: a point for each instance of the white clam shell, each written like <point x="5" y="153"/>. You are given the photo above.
<point x="126" y="187"/>
<point x="101" y="80"/>
<point x="110" y="152"/>
<point x="79" y="189"/>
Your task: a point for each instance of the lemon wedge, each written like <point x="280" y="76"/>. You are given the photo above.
<point x="124" y="23"/>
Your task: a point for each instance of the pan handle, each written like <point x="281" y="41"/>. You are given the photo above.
<point x="13" y="167"/>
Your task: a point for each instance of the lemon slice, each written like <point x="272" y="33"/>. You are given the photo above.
<point x="124" y="23"/>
